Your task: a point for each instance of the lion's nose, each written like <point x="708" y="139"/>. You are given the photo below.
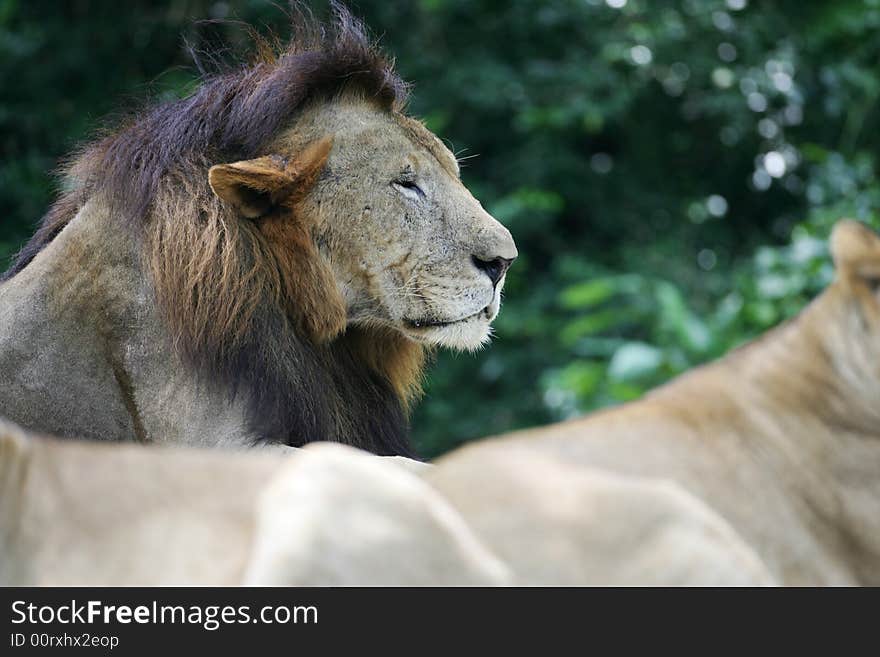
<point x="494" y="268"/>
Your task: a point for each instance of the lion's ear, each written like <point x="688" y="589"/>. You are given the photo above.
<point x="255" y="187"/>
<point x="856" y="251"/>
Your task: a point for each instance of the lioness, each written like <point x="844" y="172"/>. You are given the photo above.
<point x="265" y="261"/>
<point x="780" y="437"/>
<point x="79" y="513"/>
<point x="92" y="514"/>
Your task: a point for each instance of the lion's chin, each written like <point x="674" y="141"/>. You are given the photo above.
<point x="469" y="334"/>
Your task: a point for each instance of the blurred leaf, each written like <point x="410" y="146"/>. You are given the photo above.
<point x="634" y="361"/>
<point x="589" y="293"/>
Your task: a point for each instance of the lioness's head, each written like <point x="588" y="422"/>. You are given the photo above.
<point x="856" y="252"/>
<point x="850" y="331"/>
<point x="405" y="244"/>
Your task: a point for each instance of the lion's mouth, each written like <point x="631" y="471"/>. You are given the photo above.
<point x="426" y="322"/>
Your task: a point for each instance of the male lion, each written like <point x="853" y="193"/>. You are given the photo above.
<point x="265" y="261"/>
<point x="781" y="438"/>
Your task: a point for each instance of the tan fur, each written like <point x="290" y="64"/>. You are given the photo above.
<point x="395" y="258"/>
<point x="211" y="276"/>
<point x="400" y="360"/>
<point x="781" y="437"/>
<point x="194" y="264"/>
<point x="299" y="278"/>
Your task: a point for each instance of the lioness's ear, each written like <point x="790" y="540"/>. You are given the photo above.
<point x="255" y="187"/>
<point x="856" y="251"/>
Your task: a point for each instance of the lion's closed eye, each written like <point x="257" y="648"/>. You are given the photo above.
<point x="409" y="189"/>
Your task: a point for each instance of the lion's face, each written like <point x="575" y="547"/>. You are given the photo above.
<point x="409" y="245"/>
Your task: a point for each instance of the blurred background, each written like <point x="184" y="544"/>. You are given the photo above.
<point x="670" y="170"/>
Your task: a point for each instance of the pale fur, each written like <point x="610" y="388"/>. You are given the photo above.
<point x="561" y="524"/>
<point x="80" y="514"/>
<point x="86" y="514"/>
<point x="335" y="517"/>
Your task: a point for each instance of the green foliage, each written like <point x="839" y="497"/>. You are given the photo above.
<point x="670" y="170"/>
